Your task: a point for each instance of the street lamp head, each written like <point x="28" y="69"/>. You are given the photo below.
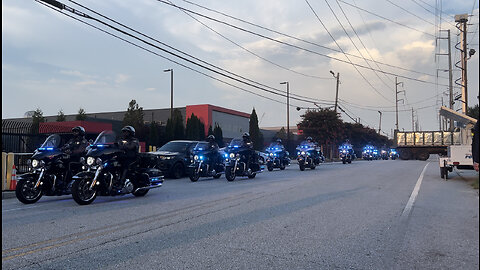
<point x="471" y="52"/>
<point x="298" y="108"/>
<point x="167" y="70"/>
<point x="333" y="73"/>
<point x="284" y="83"/>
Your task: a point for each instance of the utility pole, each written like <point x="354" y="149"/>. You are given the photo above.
<point x="396" y="100"/>
<point x="288" y="113"/>
<point x="461" y="21"/>
<point x="336" y="92"/>
<point x="380" y="124"/>
<point x="413" y="121"/>
<point x="171" y="91"/>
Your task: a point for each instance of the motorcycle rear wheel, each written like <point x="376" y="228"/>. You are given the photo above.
<point x="81" y="192"/>
<point x="26" y="191"/>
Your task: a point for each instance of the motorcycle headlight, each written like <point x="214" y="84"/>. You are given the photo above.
<point x="35" y="163"/>
<point x="232" y="155"/>
<point x="90" y="161"/>
<point x="271" y="154"/>
<point x="303" y="153"/>
<point x="195" y="157"/>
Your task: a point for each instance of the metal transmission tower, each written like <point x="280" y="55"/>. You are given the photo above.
<point x="397" y="100"/>
<point x="450" y="73"/>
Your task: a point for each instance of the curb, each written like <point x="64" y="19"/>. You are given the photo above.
<point x="8" y="195"/>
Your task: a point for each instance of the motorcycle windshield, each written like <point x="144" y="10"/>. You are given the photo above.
<point x="274" y="147"/>
<point x="106" y="137"/>
<point x="201" y="146"/>
<point x="236" y="143"/>
<point x="52" y="142"/>
<point x="305" y="146"/>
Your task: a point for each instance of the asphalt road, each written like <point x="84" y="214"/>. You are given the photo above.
<point x="364" y="215"/>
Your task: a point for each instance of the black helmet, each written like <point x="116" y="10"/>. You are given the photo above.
<point x="279" y="141"/>
<point x="210" y="138"/>
<point x="129" y="129"/>
<point x="309" y="139"/>
<point x="79" y="129"/>
<point x="246" y="135"/>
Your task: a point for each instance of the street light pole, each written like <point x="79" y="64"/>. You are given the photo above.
<point x="336" y="92"/>
<point x="380" y="125"/>
<point x="288" y="113"/>
<point x="171" y="92"/>
<point x="396" y="100"/>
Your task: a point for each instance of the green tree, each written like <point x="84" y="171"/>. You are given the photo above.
<point x="210" y="131"/>
<point x="473" y="111"/>
<point x="323" y="125"/>
<point x="134" y="117"/>
<point x="37" y="117"/>
<point x="81" y="116"/>
<point x="195" y="128"/>
<point x="255" y="133"/>
<point x="175" y="129"/>
<point x="61" y="116"/>
<point x="218" y="133"/>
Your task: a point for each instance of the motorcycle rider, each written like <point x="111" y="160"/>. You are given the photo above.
<point x="248" y="145"/>
<point x="317" y="153"/>
<point x="75" y="147"/>
<point x="213" y="146"/>
<point x="128" y="143"/>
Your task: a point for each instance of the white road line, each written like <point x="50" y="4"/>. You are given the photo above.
<point x="19" y="208"/>
<point x="411" y="201"/>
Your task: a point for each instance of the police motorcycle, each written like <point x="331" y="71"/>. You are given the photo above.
<point x="384" y="154"/>
<point x="103" y="171"/>
<point x="308" y="156"/>
<point x="368" y="152"/>
<point x="393" y="154"/>
<point x="346" y="153"/>
<point x="277" y="157"/>
<point x="207" y="162"/>
<point x="236" y="159"/>
<point x="50" y="173"/>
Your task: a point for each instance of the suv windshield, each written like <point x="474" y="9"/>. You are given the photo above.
<point x="175" y="147"/>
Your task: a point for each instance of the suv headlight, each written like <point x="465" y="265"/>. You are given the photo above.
<point x="90" y="161"/>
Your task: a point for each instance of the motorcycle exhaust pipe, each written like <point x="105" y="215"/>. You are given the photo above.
<point x="149" y="187"/>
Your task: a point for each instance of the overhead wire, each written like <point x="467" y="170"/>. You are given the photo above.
<point x="76" y="12"/>
<point x="301" y="48"/>
<point x="358" y="37"/>
<point x="338" y="45"/>
<point x="392" y="21"/>
<point x="250" y="51"/>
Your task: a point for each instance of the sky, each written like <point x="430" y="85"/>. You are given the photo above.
<point x="236" y="54"/>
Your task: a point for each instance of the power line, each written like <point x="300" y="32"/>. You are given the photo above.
<point x="298" y="47"/>
<point x="401" y="24"/>
<point x="316" y="15"/>
<point x="76" y="12"/>
<point x="251" y="52"/>
<point x="411" y="13"/>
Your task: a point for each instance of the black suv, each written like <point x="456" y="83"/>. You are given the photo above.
<point x="174" y="157"/>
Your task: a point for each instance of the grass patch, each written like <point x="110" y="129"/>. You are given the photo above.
<point x="475" y="183"/>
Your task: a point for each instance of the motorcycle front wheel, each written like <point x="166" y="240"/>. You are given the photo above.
<point x="26" y="191"/>
<point x="81" y="192"/>
<point x="194" y="175"/>
<point x="302" y="167"/>
<point x="230" y="173"/>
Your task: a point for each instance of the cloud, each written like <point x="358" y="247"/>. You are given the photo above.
<point x="121" y="78"/>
